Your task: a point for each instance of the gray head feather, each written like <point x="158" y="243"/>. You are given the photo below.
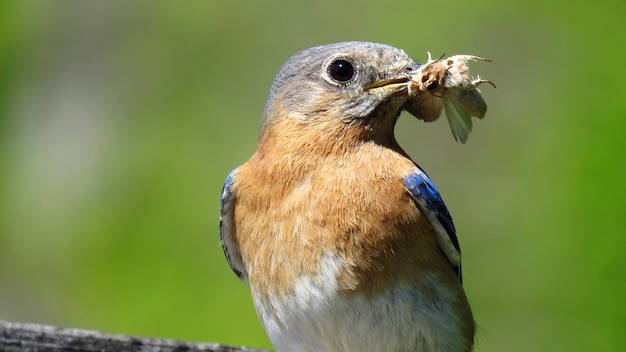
<point x="303" y="80"/>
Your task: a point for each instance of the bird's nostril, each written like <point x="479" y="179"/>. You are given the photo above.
<point x="411" y="67"/>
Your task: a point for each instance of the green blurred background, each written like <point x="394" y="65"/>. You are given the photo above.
<point x="119" y="121"/>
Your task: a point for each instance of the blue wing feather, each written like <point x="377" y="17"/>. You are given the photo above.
<point x="429" y="202"/>
<point x="227" y="228"/>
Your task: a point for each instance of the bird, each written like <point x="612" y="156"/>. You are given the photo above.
<point x="345" y="241"/>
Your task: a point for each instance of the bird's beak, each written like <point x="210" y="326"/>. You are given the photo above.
<point x="397" y="85"/>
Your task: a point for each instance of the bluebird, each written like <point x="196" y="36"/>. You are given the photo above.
<point x="346" y="243"/>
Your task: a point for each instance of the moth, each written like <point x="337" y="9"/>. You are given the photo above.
<point x="440" y="85"/>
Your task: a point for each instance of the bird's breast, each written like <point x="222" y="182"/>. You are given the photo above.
<point x="290" y="214"/>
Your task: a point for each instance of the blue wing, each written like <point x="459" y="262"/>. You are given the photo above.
<point x="429" y="202"/>
<point x="227" y="228"/>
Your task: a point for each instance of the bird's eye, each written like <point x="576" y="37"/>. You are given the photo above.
<point x="341" y="70"/>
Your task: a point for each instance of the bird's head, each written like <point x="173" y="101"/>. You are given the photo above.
<point x="352" y="89"/>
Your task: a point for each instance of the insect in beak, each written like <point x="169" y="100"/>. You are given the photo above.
<point x="445" y="84"/>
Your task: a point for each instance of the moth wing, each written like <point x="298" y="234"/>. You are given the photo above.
<point x="459" y="119"/>
<point x="425" y="106"/>
<point x="471" y="101"/>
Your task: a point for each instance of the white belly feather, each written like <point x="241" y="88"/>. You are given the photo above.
<point x="318" y="317"/>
